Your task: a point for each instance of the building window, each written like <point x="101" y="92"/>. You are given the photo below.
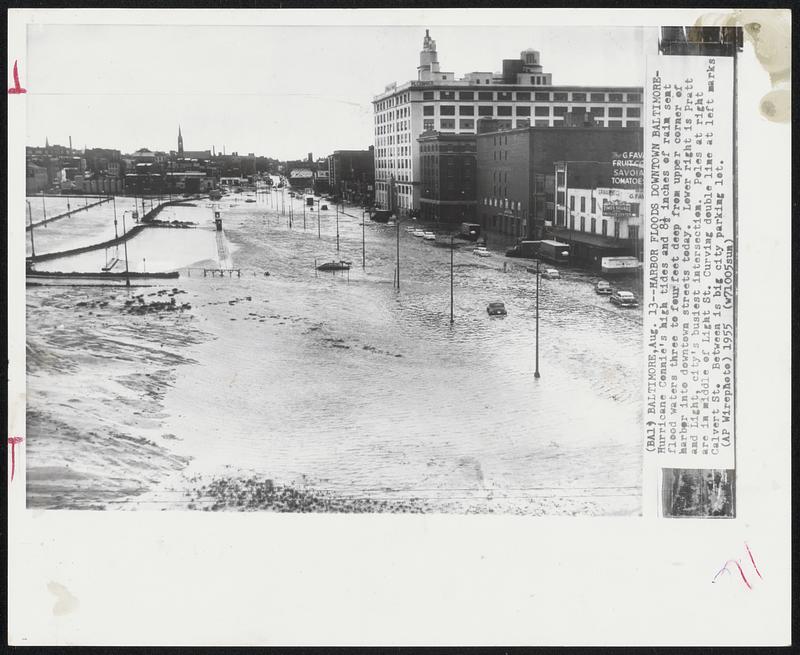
<point x="523" y="96"/>
<point x="583" y="203"/>
<point x="615" y="97"/>
<point x="633" y="112"/>
<point x="447" y="124"/>
<point x="427" y="125"/>
<point x="594" y="205"/>
<point x="605" y="227"/>
<point x="615" y="123"/>
<point x="523" y="111"/>
<point x="559" y="111"/>
<point x="447" y="95"/>
<point x="466" y="124"/>
<point x="597" y="111"/>
<point x="559" y="217"/>
<point x="523" y="122"/>
<point x="616" y="229"/>
<point x="634" y="97"/>
<point x="597" y="97"/>
<point x="427" y="95"/>
<point x="541" y="96"/>
<point x="633" y="231"/>
<point x="572" y="202"/>
<point x="485" y="110"/>
<point x="583" y="224"/>
<point x="560" y="97"/>
<point x="427" y="110"/>
<point x="504" y="96"/>
<point x="632" y="124"/>
<point x="615" y="111"/>
<point x="447" y="110"/>
<point x="466" y="95"/>
<point x="540" y="111"/>
<point x="466" y="110"/>
<point x="578" y="97"/>
<point x="485" y="95"/>
<point x="504" y="110"/>
<point x="593" y="226"/>
<point x="541" y="123"/>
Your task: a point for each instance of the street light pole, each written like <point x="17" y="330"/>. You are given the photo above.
<point x="363" y="241"/>
<point x="44" y="210"/>
<point x="125" y="244"/>
<point x="319" y="233"/>
<point x="30" y="220"/>
<point x="337" y="227"/>
<point x="536" y="372"/>
<point x="451" y="279"/>
<point x="397" y="224"/>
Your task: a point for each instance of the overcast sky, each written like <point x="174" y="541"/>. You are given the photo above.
<point x="276" y="91"/>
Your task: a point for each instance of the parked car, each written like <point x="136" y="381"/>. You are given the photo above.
<point x="603" y="288"/>
<point x="481" y="251"/>
<point x="624" y="299"/>
<point x="496" y="309"/>
<point x="551" y="274"/>
<point x="418" y="233"/>
<point x="429" y="236"/>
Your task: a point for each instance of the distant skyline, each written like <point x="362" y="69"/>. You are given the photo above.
<point x="276" y="91"/>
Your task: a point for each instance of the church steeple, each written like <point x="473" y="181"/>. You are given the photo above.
<point x="46" y="146"/>
<point x="180" y="141"/>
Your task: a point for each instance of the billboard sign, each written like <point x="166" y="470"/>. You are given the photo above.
<point x="627" y="170"/>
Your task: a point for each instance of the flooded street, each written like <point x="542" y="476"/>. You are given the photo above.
<point x="333" y="386"/>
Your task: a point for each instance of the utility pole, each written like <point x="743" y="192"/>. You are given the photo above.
<point x="337" y="227"/>
<point x="30" y="220"/>
<point x="319" y="233"/>
<point x="451" y="279"/>
<point x="125" y="244"/>
<point x="304" y="213"/>
<point x="397" y="224"/>
<point x="536" y="372"/>
<point x="363" y="242"/>
<point x="44" y="209"/>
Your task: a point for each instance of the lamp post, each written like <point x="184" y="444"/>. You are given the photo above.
<point x="44" y="210"/>
<point x="363" y="241"/>
<point x="125" y="244"/>
<point x="451" y="278"/>
<point x="30" y="220"/>
<point x="536" y="372"/>
<point x="337" y="227"/>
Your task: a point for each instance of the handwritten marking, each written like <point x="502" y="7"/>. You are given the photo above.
<point x="753" y="561"/>
<point x="13" y="441"/>
<point x="739" y="566"/>
<point x="16" y="88"/>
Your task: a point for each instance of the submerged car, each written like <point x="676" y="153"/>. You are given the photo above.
<point x="624" y="299"/>
<point x="481" y="251"/>
<point x="429" y="236"/>
<point x="418" y="233"/>
<point x="603" y="288"/>
<point x="551" y="274"/>
<point x="496" y="309"/>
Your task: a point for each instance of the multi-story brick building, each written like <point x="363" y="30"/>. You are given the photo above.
<point x="351" y="174"/>
<point x="516" y="171"/>
<point x="447" y="177"/>
<point x="521" y="96"/>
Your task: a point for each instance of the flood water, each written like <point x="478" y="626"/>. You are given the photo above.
<point x="331" y="383"/>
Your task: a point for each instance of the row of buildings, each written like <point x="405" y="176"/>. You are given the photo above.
<point x="347" y="174"/>
<point x="61" y="169"/>
<point x="513" y="152"/>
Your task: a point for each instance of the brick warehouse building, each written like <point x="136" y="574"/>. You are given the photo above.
<point x="448" y="177"/>
<point x="516" y="171"/>
<point x="521" y="95"/>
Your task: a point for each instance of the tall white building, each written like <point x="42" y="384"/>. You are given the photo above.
<point x="520" y="95"/>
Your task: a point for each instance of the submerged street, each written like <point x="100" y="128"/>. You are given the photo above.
<point x="327" y="391"/>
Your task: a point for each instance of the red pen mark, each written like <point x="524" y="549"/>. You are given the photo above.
<point x="16" y="88"/>
<point x="738" y="566"/>
<point x="753" y="561"/>
<point x="13" y="441"/>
